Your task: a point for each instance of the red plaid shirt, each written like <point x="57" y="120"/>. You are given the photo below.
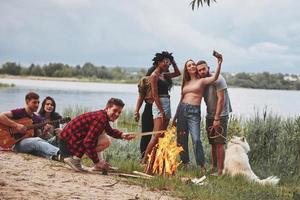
<point x="81" y="133"/>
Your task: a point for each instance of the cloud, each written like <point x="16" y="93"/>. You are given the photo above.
<point x="269" y="48"/>
<point x="253" y="36"/>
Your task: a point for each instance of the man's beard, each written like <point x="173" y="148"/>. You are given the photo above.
<point x="205" y="75"/>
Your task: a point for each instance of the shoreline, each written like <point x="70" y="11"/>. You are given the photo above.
<point x="93" y="80"/>
<point x="67" y="79"/>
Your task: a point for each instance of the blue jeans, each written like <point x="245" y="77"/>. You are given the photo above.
<point x="36" y="146"/>
<point x="188" y="121"/>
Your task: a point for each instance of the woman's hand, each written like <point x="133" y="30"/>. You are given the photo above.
<point x="47" y="127"/>
<point x="136" y="116"/>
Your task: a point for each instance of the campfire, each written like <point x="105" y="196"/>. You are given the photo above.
<point x="163" y="158"/>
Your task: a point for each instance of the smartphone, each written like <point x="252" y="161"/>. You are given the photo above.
<point x="216" y="54"/>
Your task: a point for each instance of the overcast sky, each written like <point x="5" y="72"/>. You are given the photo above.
<point x="253" y="36"/>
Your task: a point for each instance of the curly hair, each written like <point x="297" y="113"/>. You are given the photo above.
<point x="160" y="56"/>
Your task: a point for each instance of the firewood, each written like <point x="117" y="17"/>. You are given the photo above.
<point x="142" y="174"/>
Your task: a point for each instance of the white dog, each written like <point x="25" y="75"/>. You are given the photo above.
<point x="237" y="162"/>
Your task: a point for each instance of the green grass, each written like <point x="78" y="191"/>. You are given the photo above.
<point x="3" y="85"/>
<point x="275" y="146"/>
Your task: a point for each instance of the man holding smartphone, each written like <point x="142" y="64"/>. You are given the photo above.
<point x="218" y="108"/>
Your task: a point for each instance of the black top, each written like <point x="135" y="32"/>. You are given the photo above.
<point x="163" y="86"/>
<point x="54" y="116"/>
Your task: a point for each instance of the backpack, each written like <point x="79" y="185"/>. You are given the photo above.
<point x="144" y="88"/>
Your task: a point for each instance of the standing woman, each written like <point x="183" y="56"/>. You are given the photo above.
<point x="161" y="83"/>
<point x="188" y="115"/>
<point x="147" y="117"/>
<point x="47" y="112"/>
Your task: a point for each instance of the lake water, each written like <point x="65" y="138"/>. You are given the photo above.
<point x="245" y="102"/>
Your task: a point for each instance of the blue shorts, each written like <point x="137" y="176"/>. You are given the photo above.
<point x="166" y="105"/>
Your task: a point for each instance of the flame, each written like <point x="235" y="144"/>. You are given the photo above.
<point x="165" y="160"/>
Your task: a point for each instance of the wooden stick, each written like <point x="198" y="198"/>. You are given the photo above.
<point x="136" y="134"/>
<point x="142" y="174"/>
<point x="132" y="176"/>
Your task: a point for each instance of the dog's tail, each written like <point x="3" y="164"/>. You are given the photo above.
<point x="272" y="180"/>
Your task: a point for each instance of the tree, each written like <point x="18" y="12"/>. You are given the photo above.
<point x="51" y="68"/>
<point x="11" y="68"/>
<point x="36" y="70"/>
<point x="89" y="70"/>
<point x="200" y="2"/>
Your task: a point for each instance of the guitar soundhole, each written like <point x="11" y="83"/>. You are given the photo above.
<point x="18" y="135"/>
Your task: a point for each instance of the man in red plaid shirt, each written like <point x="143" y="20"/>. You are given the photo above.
<point x="86" y="134"/>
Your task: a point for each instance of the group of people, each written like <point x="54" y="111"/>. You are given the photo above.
<point x="37" y="145"/>
<point x="197" y="83"/>
<point x="85" y="134"/>
<point x="89" y="133"/>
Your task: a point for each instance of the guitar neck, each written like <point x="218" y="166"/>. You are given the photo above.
<point x="38" y="125"/>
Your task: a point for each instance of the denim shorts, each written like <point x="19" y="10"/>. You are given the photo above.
<point x="166" y="105"/>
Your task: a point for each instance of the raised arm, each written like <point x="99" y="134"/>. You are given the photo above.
<point x="176" y="71"/>
<point x="215" y="76"/>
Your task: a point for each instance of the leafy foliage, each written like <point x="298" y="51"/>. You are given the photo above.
<point x="88" y="70"/>
<point x="197" y="3"/>
<point x="3" y="85"/>
<point x="91" y="72"/>
<point x="263" y="80"/>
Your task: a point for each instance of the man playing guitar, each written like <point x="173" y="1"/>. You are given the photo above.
<point x="26" y="142"/>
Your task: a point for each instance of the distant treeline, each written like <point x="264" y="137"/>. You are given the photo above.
<point x="88" y="70"/>
<point x="263" y="80"/>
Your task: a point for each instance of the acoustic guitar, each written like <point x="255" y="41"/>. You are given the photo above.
<point x="9" y="136"/>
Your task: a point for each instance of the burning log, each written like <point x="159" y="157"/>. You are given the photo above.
<point x="163" y="158"/>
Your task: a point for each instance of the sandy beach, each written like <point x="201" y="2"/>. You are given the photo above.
<point x="23" y="176"/>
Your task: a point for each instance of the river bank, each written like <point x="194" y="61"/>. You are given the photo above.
<point x="67" y="79"/>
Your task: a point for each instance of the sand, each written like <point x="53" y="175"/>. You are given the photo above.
<point x="23" y="176"/>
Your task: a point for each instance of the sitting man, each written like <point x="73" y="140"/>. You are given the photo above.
<point x="86" y="134"/>
<point x="23" y="142"/>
